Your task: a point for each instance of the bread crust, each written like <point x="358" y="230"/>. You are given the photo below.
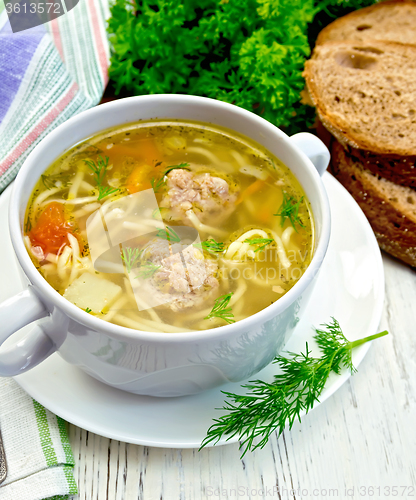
<point x="398" y="169"/>
<point x="395" y="228"/>
<point x="335" y="121"/>
<point x="328" y="33"/>
<point x="406" y="255"/>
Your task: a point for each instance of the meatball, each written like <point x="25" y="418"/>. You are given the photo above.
<point x="208" y="196"/>
<point x="184" y="279"/>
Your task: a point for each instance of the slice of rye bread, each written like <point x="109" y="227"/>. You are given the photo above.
<point x="398" y="169"/>
<point x="390" y="209"/>
<point x="393" y="21"/>
<point x="365" y="94"/>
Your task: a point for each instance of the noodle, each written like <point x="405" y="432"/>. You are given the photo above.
<point x="207" y="154"/>
<point x="253" y="232"/>
<point x="75" y="257"/>
<point x="281" y="251"/>
<point x="287" y="233"/>
<point x="80" y="201"/>
<point x="86" y="186"/>
<point x="130" y="323"/>
<point x="76" y="201"/>
<point x="114" y="308"/>
<point x="141" y="302"/>
<point x="86" y="210"/>
<point x="76" y="183"/>
<point x="163" y="326"/>
<point x="242" y="287"/>
<point x="151" y="226"/>
<point x="202" y="227"/>
<point x="52" y="258"/>
<point x="41" y="198"/>
<point x="49" y="268"/>
<point x="239" y="248"/>
<point x="62" y="263"/>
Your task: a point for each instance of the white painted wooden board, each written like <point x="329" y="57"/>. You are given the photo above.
<point x="360" y="443"/>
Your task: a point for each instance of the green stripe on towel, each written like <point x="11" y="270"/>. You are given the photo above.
<point x="49" y="450"/>
<point x="72" y="485"/>
<point x="45" y="435"/>
<point x="65" y="441"/>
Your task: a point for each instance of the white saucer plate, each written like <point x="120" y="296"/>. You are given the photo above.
<point x="350" y="288"/>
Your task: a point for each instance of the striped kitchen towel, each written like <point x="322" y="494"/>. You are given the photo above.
<point x="38" y="454"/>
<point x="48" y="74"/>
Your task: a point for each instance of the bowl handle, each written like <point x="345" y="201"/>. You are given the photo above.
<point x="15" y="313"/>
<point x="314" y="149"/>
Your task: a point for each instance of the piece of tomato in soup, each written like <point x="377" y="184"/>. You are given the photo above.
<point x="51" y="229"/>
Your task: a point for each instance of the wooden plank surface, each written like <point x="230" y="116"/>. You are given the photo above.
<point x="360" y="443"/>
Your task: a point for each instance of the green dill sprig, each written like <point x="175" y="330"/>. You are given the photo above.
<point x="263" y="242"/>
<point x="220" y="309"/>
<point x="184" y="166"/>
<point x="158" y="183"/>
<point x="157" y="213"/>
<point x="211" y="246"/>
<point x="49" y="181"/>
<point x="130" y="256"/>
<point x="270" y="407"/>
<point x="28" y="225"/>
<point x="148" y="270"/>
<point x="100" y="169"/>
<point x="168" y="234"/>
<point x="88" y="310"/>
<point x="289" y="209"/>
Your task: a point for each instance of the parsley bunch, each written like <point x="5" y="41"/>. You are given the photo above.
<point x="250" y="53"/>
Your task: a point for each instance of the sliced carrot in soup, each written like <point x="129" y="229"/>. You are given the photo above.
<point x="144" y="150"/>
<point x="139" y="179"/>
<point x="147" y="155"/>
<point x="256" y="186"/>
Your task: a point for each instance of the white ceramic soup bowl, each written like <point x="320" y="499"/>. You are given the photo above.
<point x="157" y="364"/>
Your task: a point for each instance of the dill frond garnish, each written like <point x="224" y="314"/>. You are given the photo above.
<point x="262" y="242"/>
<point x="130" y="256"/>
<point x="28" y="225"/>
<point x="147" y="270"/>
<point x="270" y="407"/>
<point x="184" y="166"/>
<point x="157" y="213"/>
<point x="88" y="310"/>
<point x="220" y="309"/>
<point x="168" y="234"/>
<point x="158" y="183"/>
<point x="210" y="246"/>
<point x="100" y="169"/>
<point x="49" y="181"/>
<point x="289" y="209"/>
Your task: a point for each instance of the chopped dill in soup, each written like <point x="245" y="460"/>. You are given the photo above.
<point x="169" y="226"/>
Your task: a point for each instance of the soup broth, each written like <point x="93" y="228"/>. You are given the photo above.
<point x="169" y="226"/>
